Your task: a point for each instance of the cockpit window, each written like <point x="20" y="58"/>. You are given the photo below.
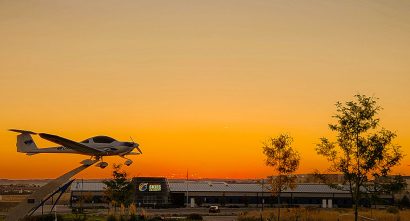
<point x="85" y="141"/>
<point x="103" y="139"/>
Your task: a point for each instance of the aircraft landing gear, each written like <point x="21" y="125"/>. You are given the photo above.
<point x="128" y="162"/>
<point x="87" y="162"/>
<point x="101" y="164"/>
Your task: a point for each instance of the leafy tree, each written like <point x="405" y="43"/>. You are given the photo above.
<point x="396" y="184"/>
<point x="285" y="160"/>
<point x="386" y="184"/>
<point x="119" y="189"/>
<point x="362" y="150"/>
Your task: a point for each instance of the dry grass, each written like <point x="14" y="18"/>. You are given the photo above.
<point x="13" y="198"/>
<point x="316" y="214"/>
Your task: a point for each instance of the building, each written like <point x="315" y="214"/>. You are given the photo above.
<point x="161" y="192"/>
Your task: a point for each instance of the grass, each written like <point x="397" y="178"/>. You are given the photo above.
<point x="316" y="214"/>
<point x="72" y="217"/>
<point x="294" y="214"/>
<point x="68" y="217"/>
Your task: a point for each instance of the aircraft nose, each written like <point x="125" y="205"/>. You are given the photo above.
<point x="129" y="144"/>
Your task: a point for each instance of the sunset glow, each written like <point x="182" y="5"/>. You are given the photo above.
<point x="198" y="84"/>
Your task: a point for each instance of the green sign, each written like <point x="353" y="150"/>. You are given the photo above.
<point x="154" y="187"/>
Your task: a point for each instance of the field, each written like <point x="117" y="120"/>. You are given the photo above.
<point x="314" y="214"/>
<point x="291" y="214"/>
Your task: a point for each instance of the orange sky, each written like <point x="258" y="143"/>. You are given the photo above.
<point x="199" y="84"/>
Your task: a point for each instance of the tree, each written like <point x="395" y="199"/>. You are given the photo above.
<point x="285" y="160"/>
<point x="384" y="185"/>
<point x="119" y="189"/>
<point x="395" y="184"/>
<point x="362" y="150"/>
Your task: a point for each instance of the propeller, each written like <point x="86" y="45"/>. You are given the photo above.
<point x="136" y="145"/>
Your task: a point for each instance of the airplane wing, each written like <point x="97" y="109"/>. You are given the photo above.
<point x="70" y="144"/>
<point x="23" y="131"/>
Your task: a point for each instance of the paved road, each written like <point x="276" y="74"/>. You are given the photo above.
<point x="220" y="218"/>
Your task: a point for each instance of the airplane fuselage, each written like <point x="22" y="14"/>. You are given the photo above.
<point x="106" y="150"/>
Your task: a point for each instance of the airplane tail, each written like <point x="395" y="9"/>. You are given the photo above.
<point x="25" y="143"/>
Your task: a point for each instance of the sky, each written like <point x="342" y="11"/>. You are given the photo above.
<point x="198" y="84"/>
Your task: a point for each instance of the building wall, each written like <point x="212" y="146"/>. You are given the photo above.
<point x="156" y="192"/>
<point x="151" y="191"/>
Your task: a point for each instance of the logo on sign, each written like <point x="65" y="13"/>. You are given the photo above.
<point x="143" y="187"/>
<point x="154" y="187"/>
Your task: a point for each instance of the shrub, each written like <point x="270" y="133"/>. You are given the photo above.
<point x="77" y="210"/>
<point x="248" y="219"/>
<point x="392" y="209"/>
<point x="111" y="218"/>
<point x="48" y="217"/>
<point x="155" y="218"/>
<point x="405" y="202"/>
<point x="194" y="216"/>
<point x="135" y="217"/>
<point x="80" y="218"/>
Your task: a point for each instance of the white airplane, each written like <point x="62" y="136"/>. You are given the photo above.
<point x="96" y="147"/>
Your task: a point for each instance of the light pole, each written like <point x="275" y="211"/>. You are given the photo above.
<point x="187" y="197"/>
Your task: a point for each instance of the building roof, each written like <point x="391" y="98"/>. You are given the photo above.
<point x="80" y="185"/>
<point x="201" y="186"/>
<point x="246" y="187"/>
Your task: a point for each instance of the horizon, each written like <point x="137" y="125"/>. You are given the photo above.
<point x="181" y="179"/>
<point x="199" y="85"/>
